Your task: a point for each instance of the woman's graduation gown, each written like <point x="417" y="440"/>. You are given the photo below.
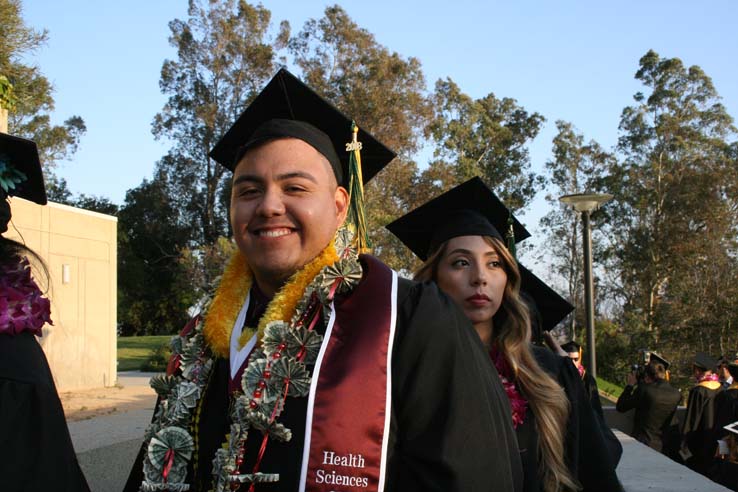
<point x="591" y="454"/>
<point x="36" y="452"/>
<point x="698" y="431"/>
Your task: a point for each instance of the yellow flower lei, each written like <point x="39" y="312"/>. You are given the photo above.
<point x="235" y="285"/>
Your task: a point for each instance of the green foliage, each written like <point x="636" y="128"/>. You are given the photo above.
<point x="223" y="60"/>
<point x="384" y="93"/>
<point x="486" y="137"/>
<point x="158" y="359"/>
<point x="610" y="389"/>
<point x="576" y="167"/>
<point x="202" y="266"/>
<point x="134" y="351"/>
<point x="675" y="212"/>
<point x="7" y="97"/>
<point x="32" y="91"/>
<point x="153" y="290"/>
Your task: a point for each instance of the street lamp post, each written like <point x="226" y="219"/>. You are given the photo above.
<point x="586" y="203"/>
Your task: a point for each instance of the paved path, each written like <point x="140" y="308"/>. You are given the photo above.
<point x="642" y="469"/>
<point x="106" y="446"/>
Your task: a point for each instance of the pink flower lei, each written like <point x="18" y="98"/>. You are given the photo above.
<point x="22" y="304"/>
<point x="518" y="404"/>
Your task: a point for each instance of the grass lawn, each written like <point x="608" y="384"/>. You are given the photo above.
<point x="611" y="389"/>
<point x="134" y="351"/>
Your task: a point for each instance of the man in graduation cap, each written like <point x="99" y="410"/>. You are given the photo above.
<point x="654" y="400"/>
<point x="314" y="368"/>
<point x="698" y="427"/>
<point x="37" y="452"/>
<point x="574" y="351"/>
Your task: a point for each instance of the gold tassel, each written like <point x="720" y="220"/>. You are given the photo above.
<point x="357" y="214"/>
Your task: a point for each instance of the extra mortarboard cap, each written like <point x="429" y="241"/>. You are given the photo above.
<point x="470" y="209"/>
<point x="704" y="361"/>
<point x="22" y="155"/>
<point x="654" y="357"/>
<point x="288" y="108"/>
<point x="552" y="307"/>
<point x="571" y="347"/>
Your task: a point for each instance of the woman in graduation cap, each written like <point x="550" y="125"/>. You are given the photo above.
<point x="465" y="254"/>
<point x="33" y="431"/>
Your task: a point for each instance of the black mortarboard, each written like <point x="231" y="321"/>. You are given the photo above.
<point x="704" y="361"/>
<point x="470" y="209"/>
<point x="552" y="307"/>
<point x="288" y="108"/>
<point x="22" y="155"/>
<point x="571" y="347"/>
<point x="654" y="357"/>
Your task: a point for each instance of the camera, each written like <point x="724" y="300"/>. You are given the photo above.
<point x="639" y="368"/>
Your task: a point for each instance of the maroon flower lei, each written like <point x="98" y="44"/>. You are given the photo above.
<point x="518" y="404"/>
<point x="22" y="304"/>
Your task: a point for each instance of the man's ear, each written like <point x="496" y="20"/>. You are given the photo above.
<point x="341" y="198"/>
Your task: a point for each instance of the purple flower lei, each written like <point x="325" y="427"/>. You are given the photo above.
<point x="518" y="404"/>
<point x="22" y="304"/>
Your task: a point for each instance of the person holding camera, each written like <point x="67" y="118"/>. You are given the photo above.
<point x="654" y="401"/>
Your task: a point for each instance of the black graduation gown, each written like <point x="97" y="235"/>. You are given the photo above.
<point x="698" y="430"/>
<point x="592" y="450"/>
<point x="655" y="405"/>
<point x="592" y="392"/>
<point x="36" y="452"/>
<point x="441" y="424"/>
<point x="726" y="410"/>
<point x="722" y="471"/>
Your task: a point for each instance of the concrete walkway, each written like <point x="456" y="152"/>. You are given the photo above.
<point x="642" y="469"/>
<point x="106" y="446"/>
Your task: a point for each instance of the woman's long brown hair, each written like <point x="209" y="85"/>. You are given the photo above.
<point x="511" y="334"/>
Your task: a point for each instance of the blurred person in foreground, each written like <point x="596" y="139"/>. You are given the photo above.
<point x="37" y="452"/>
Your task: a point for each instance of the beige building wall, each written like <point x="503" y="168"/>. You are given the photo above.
<point x="80" y="251"/>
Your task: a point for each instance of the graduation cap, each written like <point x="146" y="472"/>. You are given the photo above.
<point x="704" y="361"/>
<point x="571" y="346"/>
<point x="288" y="108"/>
<point x="654" y="357"/>
<point x="550" y="305"/>
<point x="470" y="209"/>
<point x="20" y="169"/>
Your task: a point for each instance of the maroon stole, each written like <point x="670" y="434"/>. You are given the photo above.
<point x="347" y="424"/>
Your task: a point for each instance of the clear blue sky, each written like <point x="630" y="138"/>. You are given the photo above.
<point x="570" y="60"/>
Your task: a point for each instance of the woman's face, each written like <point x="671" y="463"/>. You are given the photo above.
<point x="471" y="273"/>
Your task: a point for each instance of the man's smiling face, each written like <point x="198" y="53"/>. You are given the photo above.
<point x="285" y="208"/>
